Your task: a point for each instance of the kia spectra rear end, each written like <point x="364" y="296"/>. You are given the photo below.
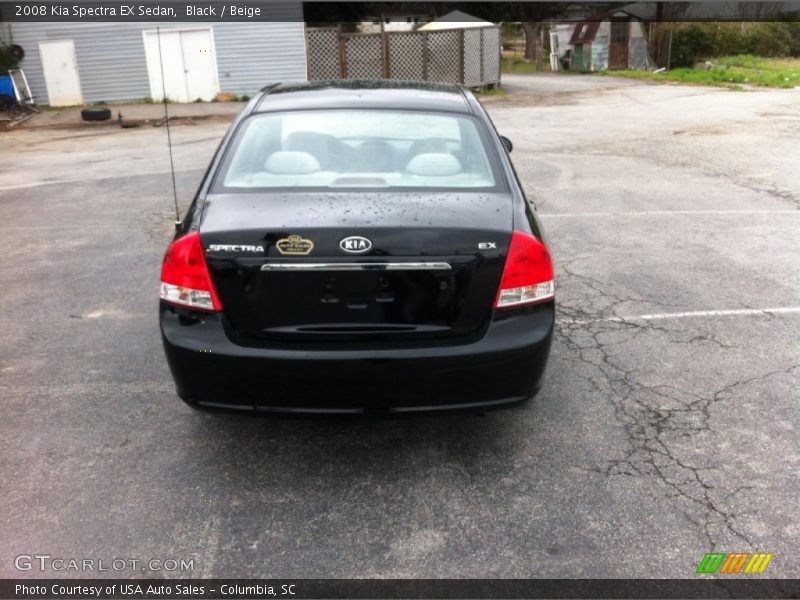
<point x="358" y="248"/>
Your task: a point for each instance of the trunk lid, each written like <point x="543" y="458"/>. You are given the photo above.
<point x="356" y="267"/>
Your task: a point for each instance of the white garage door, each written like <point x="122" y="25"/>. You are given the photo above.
<point x="61" y="73"/>
<point x="190" y="64"/>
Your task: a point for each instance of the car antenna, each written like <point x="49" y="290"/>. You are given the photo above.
<point x="169" y="135"/>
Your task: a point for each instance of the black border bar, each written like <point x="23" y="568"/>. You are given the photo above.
<point x="247" y="589"/>
<point x="320" y="12"/>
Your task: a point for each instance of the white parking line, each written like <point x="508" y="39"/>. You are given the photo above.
<point x="694" y="314"/>
<point x="659" y="213"/>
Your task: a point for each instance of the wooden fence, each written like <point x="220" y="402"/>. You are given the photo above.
<point x="467" y="56"/>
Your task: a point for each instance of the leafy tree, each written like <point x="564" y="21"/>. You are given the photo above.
<point x="530" y="14"/>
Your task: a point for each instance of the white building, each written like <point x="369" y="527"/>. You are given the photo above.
<point x="618" y="41"/>
<point x="69" y="63"/>
<point x="393" y="22"/>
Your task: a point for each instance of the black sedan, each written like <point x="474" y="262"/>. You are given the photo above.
<point x="358" y="247"/>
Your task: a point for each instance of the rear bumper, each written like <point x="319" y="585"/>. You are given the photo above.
<point x="504" y="367"/>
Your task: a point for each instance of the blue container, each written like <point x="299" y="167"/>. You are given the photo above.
<point x="6" y="87"/>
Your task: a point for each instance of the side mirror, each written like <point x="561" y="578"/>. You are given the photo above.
<point x="507" y="143"/>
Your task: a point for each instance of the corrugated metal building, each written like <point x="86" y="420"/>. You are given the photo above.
<point x="74" y="63"/>
<point x="618" y="42"/>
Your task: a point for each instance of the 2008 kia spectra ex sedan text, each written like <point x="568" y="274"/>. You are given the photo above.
<point x="358" y="247"/>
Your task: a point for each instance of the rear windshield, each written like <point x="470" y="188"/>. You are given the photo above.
<point x="358" y="148"/>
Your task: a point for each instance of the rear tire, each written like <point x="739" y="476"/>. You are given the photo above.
<point x="95" y="114"/>
<point x="17" y="52"/>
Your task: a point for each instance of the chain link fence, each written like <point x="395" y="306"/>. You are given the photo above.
<point x="468" y="56"/>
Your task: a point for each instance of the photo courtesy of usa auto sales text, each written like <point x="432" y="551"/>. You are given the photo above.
<point x="135" y="589"/>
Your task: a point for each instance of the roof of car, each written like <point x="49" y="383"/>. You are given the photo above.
<point x="401" y="95"/>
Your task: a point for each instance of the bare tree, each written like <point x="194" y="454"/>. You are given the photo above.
<point x="532" y="15"/>
<point x="758" y="11"/>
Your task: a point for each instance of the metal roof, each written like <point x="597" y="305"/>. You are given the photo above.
<point x="455" y="20"/>
<point x="584" y="32"/>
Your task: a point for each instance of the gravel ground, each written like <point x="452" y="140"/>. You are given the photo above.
<point x="667" y="426"/>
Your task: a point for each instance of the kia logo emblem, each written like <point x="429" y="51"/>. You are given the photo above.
<point x="355" y="244"/>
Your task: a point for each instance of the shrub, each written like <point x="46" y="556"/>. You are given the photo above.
<point x="697" y="41"/>
<point x="775" y="39"/>
<point x="690" y="44"/>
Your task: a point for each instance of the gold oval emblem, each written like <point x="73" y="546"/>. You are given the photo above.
<point x="294" y="245"/>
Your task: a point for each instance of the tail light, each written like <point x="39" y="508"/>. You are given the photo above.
<point x="185" y="279"/>
<point x="528" y="275"/>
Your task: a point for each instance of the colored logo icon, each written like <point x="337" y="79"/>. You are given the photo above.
<point x="734" y="562"/>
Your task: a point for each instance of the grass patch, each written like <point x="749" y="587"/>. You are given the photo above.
<point x="510" y="64"/>
<point x="731" y="72"/>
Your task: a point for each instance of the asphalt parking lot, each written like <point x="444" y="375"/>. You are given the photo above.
<point x="667" y="426"/>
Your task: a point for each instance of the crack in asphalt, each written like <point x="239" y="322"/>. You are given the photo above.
<point x="650" y="414"/>
<point x="636" y="148"/>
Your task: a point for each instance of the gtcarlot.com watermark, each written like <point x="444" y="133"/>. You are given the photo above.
<point x="45" y="562"/>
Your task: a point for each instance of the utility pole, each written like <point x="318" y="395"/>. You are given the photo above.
<point x="669" y="50"/>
